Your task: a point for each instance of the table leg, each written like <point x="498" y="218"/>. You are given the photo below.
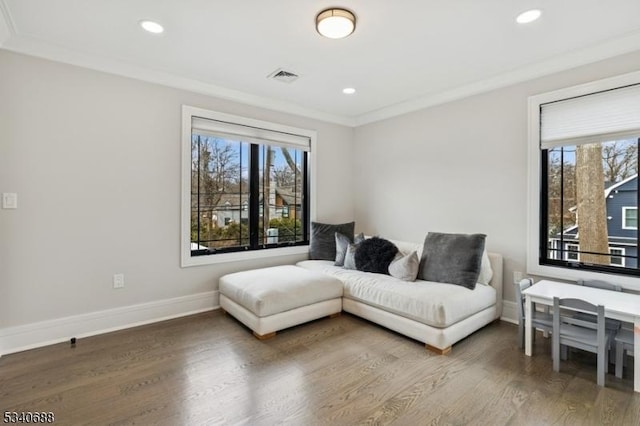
<point x="636" y="354"/>
<point x="528" y="336"/>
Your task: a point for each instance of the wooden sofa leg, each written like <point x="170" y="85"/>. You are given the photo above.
<point x="264" y="336"/>
<point x="223" y="311"/>
<point x="337" y="314"/>
<point x="445" y="351"/>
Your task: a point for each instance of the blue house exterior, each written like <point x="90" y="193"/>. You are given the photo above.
<point x="622" y="227"/>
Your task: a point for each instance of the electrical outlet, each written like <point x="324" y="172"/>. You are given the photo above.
<point x="9" y="200"/>
<point x="118" y="280"/>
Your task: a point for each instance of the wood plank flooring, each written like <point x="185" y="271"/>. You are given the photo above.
<point x="208" y="369"/>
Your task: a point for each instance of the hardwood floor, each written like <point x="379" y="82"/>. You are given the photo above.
<point x="209" y="369"/>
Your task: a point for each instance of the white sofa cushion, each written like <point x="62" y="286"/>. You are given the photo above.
<point x="434" y="304"/>
<point x="278" y="289"/>
<point x="408" y="247"/>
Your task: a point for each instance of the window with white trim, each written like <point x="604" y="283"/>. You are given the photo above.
<point x="617" y="256"/>
<point x="572" y="252"/>
<point x="583" y="190"/>
<point x="630" y="218"/>
<point x="236" y="174"/>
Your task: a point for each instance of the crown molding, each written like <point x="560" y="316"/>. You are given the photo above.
<point x="606" y="50"/>
<point x="10" y="40"/>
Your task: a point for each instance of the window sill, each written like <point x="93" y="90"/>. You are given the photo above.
<point x="241" y="256"/>
<point x="625" y="281"/>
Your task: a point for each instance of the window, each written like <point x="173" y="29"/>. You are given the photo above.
<point x="617" y="256"/>
<point x="607" y="172"/>
<point x="629" y="218"/>
<point x="572" y="252"/>
<point x="583" y="182"/>
<point x="236" y="172"/>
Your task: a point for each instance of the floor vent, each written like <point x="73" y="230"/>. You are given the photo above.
<point x="283" y="76"/>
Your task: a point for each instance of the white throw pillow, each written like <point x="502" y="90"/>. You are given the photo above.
<point x="486" y="273"/>
<point x="405" y="268"/>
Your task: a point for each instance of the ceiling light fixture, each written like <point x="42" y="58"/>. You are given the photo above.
<point x="151" y="26"/>
<point x="348" y="90"/>
<point x="528" y="16"/>
<point x="335" y="23"/>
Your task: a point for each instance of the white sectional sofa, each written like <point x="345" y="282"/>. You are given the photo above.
<point x="436" y="314"/>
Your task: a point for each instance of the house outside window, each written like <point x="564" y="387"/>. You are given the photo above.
<point x="233" y="169"/>
<point x="583" y="185"/>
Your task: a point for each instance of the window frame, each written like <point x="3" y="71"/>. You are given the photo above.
<point x="622" y="257"/>
<point x="187" y="260"/>
<point x="624" y="218"/>
<point x="568" y="250"/>
<point x="534" y="185"/>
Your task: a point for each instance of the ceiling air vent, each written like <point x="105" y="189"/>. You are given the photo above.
<point x="283" y="76"/>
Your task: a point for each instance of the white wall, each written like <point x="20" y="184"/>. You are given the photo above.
<point x="459" y="167"/>
<point x="95" y="160"/>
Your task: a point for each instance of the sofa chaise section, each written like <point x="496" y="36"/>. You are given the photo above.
<point x="271" y="299"/>
<point x="436" y="314"/>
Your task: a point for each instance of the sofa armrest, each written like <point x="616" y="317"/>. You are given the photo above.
<point x="496" y="281"/>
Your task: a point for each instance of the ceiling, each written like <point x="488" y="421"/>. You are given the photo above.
<point x="416" y="54"/>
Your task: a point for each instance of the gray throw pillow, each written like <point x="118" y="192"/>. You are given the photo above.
<point x="405" y="268"/>
<point x="350" y="257"/>
<point x="323" y="239"/>
<point x="342" y="243"/>
<point x="452" y="258"/>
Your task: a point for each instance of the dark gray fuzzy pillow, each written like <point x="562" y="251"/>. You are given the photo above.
<point x="452" y="258"/>
<point x="375" y="255"/>
<point x="323" y="239"/>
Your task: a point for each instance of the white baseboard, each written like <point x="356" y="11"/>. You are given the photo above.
<point x="34" y="335"/>
<point x="29" y="336"/>
<point x="509" y="312"/>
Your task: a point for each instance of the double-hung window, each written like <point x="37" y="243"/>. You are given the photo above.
<point x="583" y="181"/>
<point x="246" y="188"/>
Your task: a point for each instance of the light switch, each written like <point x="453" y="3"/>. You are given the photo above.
<point x="9" y="200"/>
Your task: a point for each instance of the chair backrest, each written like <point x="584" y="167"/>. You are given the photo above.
<point x="520" y="287"/>
<point x="604" y="285"/>
<point x="564" y="311"/>
<point x="569" y="330"/>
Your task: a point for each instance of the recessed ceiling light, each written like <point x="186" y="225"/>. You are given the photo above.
<point x="151" y="26"/>
<point x="348" y="90"/>
<point x="528" y="16"/>
<point x="335" y="23"/>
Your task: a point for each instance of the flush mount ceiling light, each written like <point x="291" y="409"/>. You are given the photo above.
<point x="151" y="26"/>
<point x="335" y="23"/>
<point x="528" y="16"/>
<point x="348" y="90"/>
